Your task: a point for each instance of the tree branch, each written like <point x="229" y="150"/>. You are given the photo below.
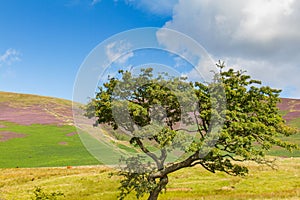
<point x="163" y="155"/>
<point x="183" y="129"/>
<point x="197" y="122"/>
<point x="234" y="159"/>
<point x="146" y="151"/>
<point x="176" y="166"/>
<point x="205" y="167"/>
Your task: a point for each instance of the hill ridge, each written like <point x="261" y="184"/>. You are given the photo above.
<point x="29" y="109"/>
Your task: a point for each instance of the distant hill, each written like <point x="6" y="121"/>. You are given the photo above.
<point x="290" y="109"/>
<point x="37" y="131"/>
<point x="29" y="109"/>
<point x="26" y="109"/>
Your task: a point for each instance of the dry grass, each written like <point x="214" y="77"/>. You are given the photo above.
<point x="17" y="99"/>
<point x="94" y="183"/>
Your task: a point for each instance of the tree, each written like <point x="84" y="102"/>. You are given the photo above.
<point x="173" y="115"/>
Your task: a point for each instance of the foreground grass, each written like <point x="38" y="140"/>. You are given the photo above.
<point x="193" y="183"/>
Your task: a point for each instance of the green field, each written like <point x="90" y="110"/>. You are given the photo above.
<point x="50" y="146"/>
<point x="189" y="184"/>
<point x="276" y="151"/>
<point x="43" y="146"/>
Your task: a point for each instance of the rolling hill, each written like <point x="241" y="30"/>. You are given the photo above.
<point x="290" y="109"/>
<point x="28" y="109"/>
<point x="37" y="131"/>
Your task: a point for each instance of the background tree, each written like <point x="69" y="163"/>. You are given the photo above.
<point x="172" y="113"/>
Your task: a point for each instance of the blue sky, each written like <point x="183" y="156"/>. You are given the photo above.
<point x="44" y="42"/>
<point x="49" y="39"/>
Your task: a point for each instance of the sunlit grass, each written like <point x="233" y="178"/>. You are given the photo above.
<point x="17" y="99"/>
<point x="191" y="183"/>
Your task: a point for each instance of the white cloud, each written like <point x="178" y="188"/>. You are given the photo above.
<point x="119" y="52"/>
<point x="189" y="50"/>
<point x="220" y="25"/>
<point x="281" y="76"/>
<point x="266" y="20"/>
<point x="261" y="35"/>
<point x="94" y="2"/>
<point x="158" y="7"/>
<point x="10" y="56"/>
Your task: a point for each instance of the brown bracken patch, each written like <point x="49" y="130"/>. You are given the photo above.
<point x="6" y="135"/>
<point x="63" y="143"/>
<point x="71" y="134"/>
<point x="227" y="188"/>
<point x="179" y="189"/>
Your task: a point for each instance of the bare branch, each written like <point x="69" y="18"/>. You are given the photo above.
<point x="197" y="122"/>
<point x="205" y="167"/>
<point x="183" y="129"/>
<point x="163" y="155"/>
<point x="146" y="151"/>
<point x="234" y="159"/>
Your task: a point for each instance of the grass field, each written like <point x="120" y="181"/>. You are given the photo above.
<point x="53" y="145"/>
<point x="191" y="184"/>
<point x="43" y="145"/>
<point x="276" y="151"/>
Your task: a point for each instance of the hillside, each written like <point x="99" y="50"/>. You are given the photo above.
<point x="290" y="109"/>
<point x="28" y="109"/>
<point x="39" y="131"/>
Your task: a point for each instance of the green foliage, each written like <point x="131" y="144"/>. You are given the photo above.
<point x="135" y="173"/>
<point x="238" y="118"/>
<point x="39" y="194"/>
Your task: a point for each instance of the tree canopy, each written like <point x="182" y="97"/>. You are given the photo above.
<point x="217" y="125"/>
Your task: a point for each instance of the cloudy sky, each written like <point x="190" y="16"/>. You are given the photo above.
<point x="43" y="43"/>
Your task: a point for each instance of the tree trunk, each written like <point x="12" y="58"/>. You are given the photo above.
<point x="161" y="185"/>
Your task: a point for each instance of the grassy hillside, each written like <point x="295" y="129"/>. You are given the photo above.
<point x="42" y="145"/>
<point x="290" y="109"/>
<point x="38" y="131"/>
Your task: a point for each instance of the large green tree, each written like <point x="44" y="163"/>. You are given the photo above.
<point x="217" y="125"/>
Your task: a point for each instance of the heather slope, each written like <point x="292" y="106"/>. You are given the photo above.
<point x="28" y="109"/>
<point x="38" y="131"/>
<point x="290" y="109"/>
